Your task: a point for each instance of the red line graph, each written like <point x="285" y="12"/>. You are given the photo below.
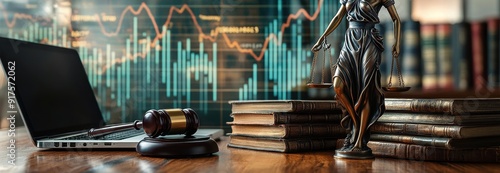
<point x="182" y="9"/>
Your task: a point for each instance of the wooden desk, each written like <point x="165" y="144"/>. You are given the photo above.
<point x="31" y="159"/>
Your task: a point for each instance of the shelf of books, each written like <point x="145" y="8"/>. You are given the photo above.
<point x="447" y="57"/>
<point x="446" y="46"/>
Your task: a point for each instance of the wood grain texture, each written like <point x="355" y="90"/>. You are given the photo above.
<point x="31" y="159"/>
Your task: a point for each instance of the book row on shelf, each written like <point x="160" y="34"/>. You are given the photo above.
<point x="456" y="130"/>
<point x="459" y="56"/>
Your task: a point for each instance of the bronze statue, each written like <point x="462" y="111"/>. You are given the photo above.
<point x="356" y="80"/>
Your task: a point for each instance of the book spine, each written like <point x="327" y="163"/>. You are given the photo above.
<point x="300" y="145"/>
<point x="418" y="129"/>
<point x="445" y="106"/>
<point x="411" y="55"/>
<point x="314" y="130"/>
<point x="430" y="68"/>
<point x="443" y="50"/>
<point x="460" y="43"/>
<point x="300" y="106"/>
<point x="291" y="118"/>
<point x="430" y="153"/>
<point x="417" y="140"/>
<point x="498" y="50"/>
<point x="387" y="30"/>
<point x="478" y="55"/>
<point x="420" y="105"/>
<point x="438" y="119"/>
<point x="493" y="53"/>
<point x="290" y="145"/>
<point x="390" y="117"/>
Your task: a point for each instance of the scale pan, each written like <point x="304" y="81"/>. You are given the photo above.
<point x="322" y="85"/>
<point x="396" y="89"/>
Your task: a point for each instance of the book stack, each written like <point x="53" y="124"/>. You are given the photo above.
<point x="465" y="130"/>
<point x="285" y="125"/>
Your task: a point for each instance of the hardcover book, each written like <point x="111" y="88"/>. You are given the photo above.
<point x="493" y="55"/>
<point x="260" y="106"/>
<point x="461" y="53"/>
<point x="284" y="118"/>
<point x="282" y="145"/>
<point x="457" y="106"/>
<point x="436" y="118"/>
<point x="411" y="64"/>
<point x="430" y="153"/>
<point x="448" y="143"/>
<point x="447" y="131"/>
<point x="429" y="57"/>
<point x="289" y="130"/>
<point x="443" y="50"/>
<point x="479" y="49"/>
<point x="385" y="64"/>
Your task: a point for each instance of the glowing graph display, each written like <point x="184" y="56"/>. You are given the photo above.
<point x="177" y="54"/>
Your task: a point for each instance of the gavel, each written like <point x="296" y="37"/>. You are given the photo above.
<point x="158" y="123"/>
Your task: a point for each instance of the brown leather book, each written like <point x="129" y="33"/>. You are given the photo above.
<point x="439" y="118"/>
<point x="285" y="118"/>
<point x="448" y="143"/>
<point x="447" y="131"/>
<point x="260" y="106"/>
<point x="451" y="106"/>
<point x="431" y="153"/>
<point x="289" y="130"/>
<point x="282" y="145"/>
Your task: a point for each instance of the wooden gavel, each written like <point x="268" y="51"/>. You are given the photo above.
<point x="158" y="123"/>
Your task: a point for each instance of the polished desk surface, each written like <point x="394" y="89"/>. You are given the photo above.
<point x="31" y="159"/>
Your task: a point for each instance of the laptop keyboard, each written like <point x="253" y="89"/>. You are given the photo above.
<point x="112" y="136"/>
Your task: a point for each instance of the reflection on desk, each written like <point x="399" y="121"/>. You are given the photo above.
<point x="31" y="159"/>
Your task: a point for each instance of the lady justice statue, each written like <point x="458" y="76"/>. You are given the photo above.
<point x="356" y="80"/>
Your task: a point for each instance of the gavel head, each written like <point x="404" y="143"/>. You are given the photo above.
<point x="170" y="121"/>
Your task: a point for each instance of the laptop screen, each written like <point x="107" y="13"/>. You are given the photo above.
<point x="51" y="87"/>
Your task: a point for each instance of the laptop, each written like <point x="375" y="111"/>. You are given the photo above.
<point x="55" y="98"/>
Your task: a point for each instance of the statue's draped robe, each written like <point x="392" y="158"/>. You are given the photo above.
<point x="358" y="63"/>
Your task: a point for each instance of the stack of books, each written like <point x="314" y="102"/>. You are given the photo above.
<point x="285" y="125"/>
<point x="465" y="130"/>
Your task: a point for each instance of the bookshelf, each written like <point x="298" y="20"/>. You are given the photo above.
<point x="450" y="48"/>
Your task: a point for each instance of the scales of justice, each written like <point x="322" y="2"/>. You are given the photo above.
<point x="355" y="77"/>
<point x="326" y="82"/>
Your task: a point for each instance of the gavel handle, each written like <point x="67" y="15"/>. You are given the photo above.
<point x="111" y="129"/>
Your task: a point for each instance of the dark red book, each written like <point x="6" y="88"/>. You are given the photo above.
<point x="478" y="31"/>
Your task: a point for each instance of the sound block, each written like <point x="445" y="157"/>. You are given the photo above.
<point x="177" y="146"/>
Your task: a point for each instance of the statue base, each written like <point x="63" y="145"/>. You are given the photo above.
<point x="364" y="154"/>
